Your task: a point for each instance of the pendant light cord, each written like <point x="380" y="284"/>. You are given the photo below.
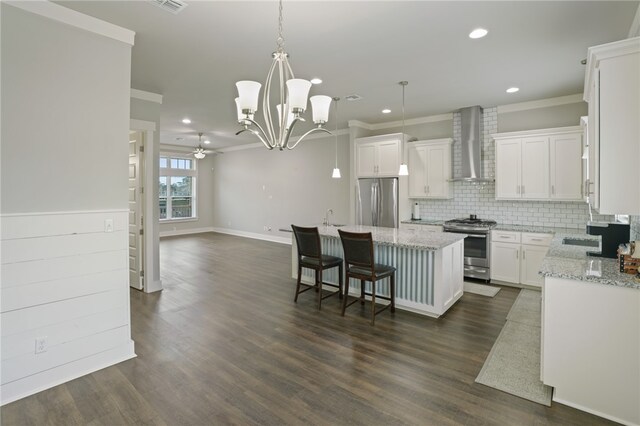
<point x="336" y="99"/>
<point x="280" y="36"/>
<point x="403" y="84"/>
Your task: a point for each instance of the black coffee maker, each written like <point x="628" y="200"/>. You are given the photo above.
<point x="613" y="234"/>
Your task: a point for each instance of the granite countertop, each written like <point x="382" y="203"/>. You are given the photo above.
<point x="397" y="237"/>
<point x="571" y="262"/>
<point x="540" y="229"/>
<point x="424" y="221"/>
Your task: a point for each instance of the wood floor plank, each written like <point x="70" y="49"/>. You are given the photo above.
<point x="224" y="344"/>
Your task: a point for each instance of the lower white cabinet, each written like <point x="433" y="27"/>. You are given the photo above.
<point x="516" y="257"/>
<point x="420" y="228"/>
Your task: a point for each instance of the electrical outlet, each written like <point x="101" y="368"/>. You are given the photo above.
<point x="108" y="225"/>
<point x="41" y="344"/>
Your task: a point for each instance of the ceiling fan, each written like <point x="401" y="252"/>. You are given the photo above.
<point x="200" y="152"/>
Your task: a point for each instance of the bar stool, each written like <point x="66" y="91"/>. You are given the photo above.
<point x="360" y="264"/>
<point x="310" y="256"/>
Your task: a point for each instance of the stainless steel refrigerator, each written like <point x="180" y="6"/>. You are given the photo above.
<point x="377" y="202"/>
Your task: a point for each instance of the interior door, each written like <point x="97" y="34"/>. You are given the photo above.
<point x="136" y="273"/>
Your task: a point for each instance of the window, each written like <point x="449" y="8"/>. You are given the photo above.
<point x="177" y="190"/>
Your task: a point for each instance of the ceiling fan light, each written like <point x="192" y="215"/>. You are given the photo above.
<point x="199" y="155"/>
<point x="320" y="105"/>
<point x="298" y="90"/>
<point x="248" y="93"/>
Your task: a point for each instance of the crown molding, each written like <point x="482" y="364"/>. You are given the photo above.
<point x="542" y="103"/>
<point x="70" y="17"/>
<point x="146" y="96"/>
<point x="361" y="124"/>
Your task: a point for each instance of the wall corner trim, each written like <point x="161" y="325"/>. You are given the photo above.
<point x="634" y="30"/>
<point x="75" y="19"/>
<point x="146" y="96"/>
<point x="541" y="103"/>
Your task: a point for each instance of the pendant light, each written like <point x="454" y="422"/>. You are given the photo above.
<point x="404" y="170"/>
<point x="336" y="170"/>
<point x="293" y="93"/>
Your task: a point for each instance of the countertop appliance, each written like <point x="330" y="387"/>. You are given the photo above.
<point x="477" y="245"/>
<point x="613" y="234"/>
<point x="377" y="202"/>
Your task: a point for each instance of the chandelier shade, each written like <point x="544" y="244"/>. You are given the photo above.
<point x="293" y="95"/>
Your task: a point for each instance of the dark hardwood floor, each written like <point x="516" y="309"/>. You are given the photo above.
<point x="224" y="343"/>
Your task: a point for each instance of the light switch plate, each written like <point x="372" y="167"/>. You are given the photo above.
<point x="108" y="225"/>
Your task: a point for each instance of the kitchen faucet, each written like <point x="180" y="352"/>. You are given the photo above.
<point x="326" y="217"/>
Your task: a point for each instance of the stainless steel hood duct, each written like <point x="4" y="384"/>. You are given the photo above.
<point x="471" y="145"/>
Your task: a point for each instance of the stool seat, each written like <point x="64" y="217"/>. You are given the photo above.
<point x="310" y="256"/>
<point x="379" y="271"/>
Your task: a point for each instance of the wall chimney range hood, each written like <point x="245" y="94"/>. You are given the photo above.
<point x="471" y="145"/>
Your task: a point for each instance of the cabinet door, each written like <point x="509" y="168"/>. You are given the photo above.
<point x="388" y="158"/>
<point x="532" y="257"/>
<point x="508" y="158"/>
<point x="505" y="262"/>
<point x="417" y="178"/>
<point x="566" y="166"/>
<point x="366" y="160"/>
<point x="438" y="167"/>
<point x="535" y="168"/>
<point x="593" y="187"/>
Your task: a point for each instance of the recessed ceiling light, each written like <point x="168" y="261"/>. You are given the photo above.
<point x="478" y="33"/>
<point x="316" y="80"/>
<point x="386" y="111"/>
<point x="186" y="121"/>
<point x="512" y="89"/>
<point x="206" y="141"/>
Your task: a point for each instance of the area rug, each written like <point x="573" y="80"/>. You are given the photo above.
<point x="481" y="289"/>
<point x="526" y="308"/>
<point x="513" y="365"/>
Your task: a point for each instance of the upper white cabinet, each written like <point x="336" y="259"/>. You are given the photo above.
<point x="611" y="88"/>
<point x="378" y="156"/>
<point x="429" y="168"/>
<point x="539" y="164"/>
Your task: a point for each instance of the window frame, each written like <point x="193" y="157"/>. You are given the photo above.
<point x="170" y="172"/>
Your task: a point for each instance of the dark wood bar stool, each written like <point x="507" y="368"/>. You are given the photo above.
<point x="360" y="264"/>
<point x="310" y="256"/>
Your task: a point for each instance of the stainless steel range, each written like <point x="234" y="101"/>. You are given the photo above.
<point x="477" y="245"/>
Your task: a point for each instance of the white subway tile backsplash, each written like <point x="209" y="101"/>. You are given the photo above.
<point x="480" y="199"/>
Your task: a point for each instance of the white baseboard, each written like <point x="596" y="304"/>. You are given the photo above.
<point x="186" y="231"/>
<point x="254" y="235"/>
<point x="30" y="385"/>
<point x="153" y="286"/>
<point x="594" y="412"/>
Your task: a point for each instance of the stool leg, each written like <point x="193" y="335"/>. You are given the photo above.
<point x="373" y="302"/>
<point x="362" y="292"/>
<point x="393" y="292"/>
<point x="340" y="283"/>
<point x="346" y="292"/>
<point x="295" y="299"/>
<point x="319" y="272"/>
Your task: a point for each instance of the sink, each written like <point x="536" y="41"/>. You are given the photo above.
<point x="579" y="242"/>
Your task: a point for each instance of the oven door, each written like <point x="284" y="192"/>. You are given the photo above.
<point x="476" y="250"/>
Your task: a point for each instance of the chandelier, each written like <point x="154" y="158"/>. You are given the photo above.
<point x="293" y="94"/>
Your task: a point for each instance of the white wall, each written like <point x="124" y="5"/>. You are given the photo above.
<point x="256" y="187"/>
<point x="542" y="118"/>
<point x="65" y="127"/>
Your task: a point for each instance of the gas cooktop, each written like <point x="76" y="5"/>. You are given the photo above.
<point x="471" y="223"/>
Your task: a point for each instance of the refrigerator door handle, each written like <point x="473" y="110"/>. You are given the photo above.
<point x="374" y="204"/>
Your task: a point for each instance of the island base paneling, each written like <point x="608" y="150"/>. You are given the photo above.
<point x="427" y="282"/>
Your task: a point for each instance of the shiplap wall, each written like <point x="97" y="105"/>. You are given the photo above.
<point x="64" y="279"/>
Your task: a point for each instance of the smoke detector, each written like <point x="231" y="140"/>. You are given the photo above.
<point x="173" y="6"/>
<point x="353" y="97"/>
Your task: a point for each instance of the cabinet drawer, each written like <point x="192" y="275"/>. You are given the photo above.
<point x="536" y="239"/>
<point x="505" y="236"/>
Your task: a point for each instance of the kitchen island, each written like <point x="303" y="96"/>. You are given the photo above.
<point x="590" y="332"/>
<point x="429" y="276"/>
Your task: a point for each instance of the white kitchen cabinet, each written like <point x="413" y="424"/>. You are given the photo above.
<point x="516" y="257"/>
<point x="612" y="84"/>
<point x="539" y="164"/>
<point x="566" y="166"/>
<point x="429" y="168"/>
<point x="420" y="228"/>
<point x="378" y="156"/>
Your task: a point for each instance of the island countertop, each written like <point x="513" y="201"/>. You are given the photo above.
<point x="398" y="237"/>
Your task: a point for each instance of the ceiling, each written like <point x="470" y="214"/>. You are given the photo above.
<point x="195" y="57"/>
